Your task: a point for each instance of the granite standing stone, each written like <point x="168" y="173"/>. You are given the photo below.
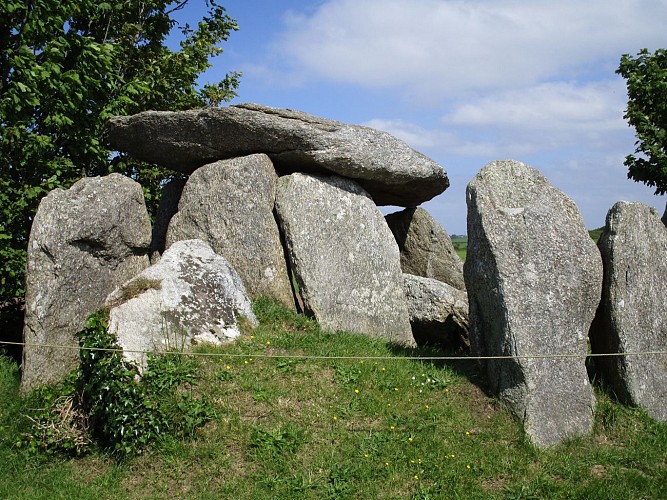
<point x="191" y="296"/>
<point x="534" y="277"/>
<point x="386" y="167"/>
<point x="84" y="242"/>
<point x="229" y="204"/>
<point x="632" y="316"/>
<point x="426" y="248"/>
<point x="344" y="257"/>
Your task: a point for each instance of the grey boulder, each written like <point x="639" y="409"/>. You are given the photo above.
<point x="344" y="257"/>
<point x="391" y="171"/>
<point x="534" y="278"/>
<point x="229" y="204"/>
<point x="632" y="317"/>
<point x="438" y="312"/>
<point x="84" y="242"/>
<point x="426" y="249"/>
<point x="191" y="296"/>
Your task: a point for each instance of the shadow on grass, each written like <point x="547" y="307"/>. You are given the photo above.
<point x="464" y="365"/>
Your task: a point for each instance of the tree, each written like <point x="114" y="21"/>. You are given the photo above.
<point x="646" y="80"/>
<point x="66" y="67"/>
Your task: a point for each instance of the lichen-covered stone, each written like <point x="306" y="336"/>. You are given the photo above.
<point x="386" y="167"/>
<point x="533" y="277"/>
<point x="84" y="242"/>
<point x="426" y="249"/>
<point x="191" y="296"/>
<point x="632" y="317"/>
<point x="438" y="312"/>
<point x="229" y="204"/>
<point x="344" y="257"/>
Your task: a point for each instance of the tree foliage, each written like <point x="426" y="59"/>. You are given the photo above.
<point x="646" y="80"/>
<point x="66" y="67"/>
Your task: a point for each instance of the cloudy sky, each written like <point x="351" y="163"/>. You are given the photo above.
<point x="463" y="81"/>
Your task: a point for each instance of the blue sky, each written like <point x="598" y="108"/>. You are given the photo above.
<point x="465" y="82"/>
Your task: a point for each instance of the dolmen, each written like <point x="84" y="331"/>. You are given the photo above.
<point x="279" y="203"/>
<point x="287" y="201"/>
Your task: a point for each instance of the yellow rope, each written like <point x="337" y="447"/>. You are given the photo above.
<point x="364" y="358"/>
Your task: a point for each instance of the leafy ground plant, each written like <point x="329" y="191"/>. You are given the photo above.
<point x="105" y="403"/>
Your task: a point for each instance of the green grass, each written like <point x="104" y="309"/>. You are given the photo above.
<point x="595" y="233"/>
<point x="460" y="245"/>
<point x="344" y="428"/>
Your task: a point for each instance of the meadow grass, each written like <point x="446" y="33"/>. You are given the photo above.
<point x="297" y="427"/>
<point x="460" y="244"/>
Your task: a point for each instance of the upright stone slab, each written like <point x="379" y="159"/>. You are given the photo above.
<point x="344" y="257"/>
<point x="386" y="167"/>
<point x="632" y="316"/>
<point x="664" y="216"/>
<point x="229" y="204"/>
<point x="191" y="296"/>
<point x="534" y="277"/>
<point x="84" y="242"/>
<point x="426" y="249"/>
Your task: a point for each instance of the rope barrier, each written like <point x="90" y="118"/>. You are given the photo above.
<point x="363" y="358"/>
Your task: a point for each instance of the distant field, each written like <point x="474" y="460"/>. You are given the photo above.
<point x="595" y="233"/>
<point x="460" y="243"/>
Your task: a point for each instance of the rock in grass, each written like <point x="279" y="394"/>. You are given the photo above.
<point x="191" y="296"/>
<point x="438" y="312"/>
<point x="632" y="316"/>
<point x="426" y="249"/>
<point x="229" y="204"/>
<point x="534" y="277"/>
<point x="344" y="257"/>
<point x="84" y="242"/>
<point x="386" y="167"/>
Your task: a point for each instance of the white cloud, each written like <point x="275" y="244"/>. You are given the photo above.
<point x="546" y="116"/>
<point x="444" y="47"/>
<point x="416" y="136"/>
<point x="524" y="121"/>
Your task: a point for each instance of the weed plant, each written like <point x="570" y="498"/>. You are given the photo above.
<point x="106" y="404"/>
<point x="286" y="423"/>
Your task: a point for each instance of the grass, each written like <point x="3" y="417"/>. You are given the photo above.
<point x="460" y="243"/>
<point x="596" y="233"/>
<point x="344" y="428"/>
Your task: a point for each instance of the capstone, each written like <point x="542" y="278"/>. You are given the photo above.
<point x="386" y="167"/>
